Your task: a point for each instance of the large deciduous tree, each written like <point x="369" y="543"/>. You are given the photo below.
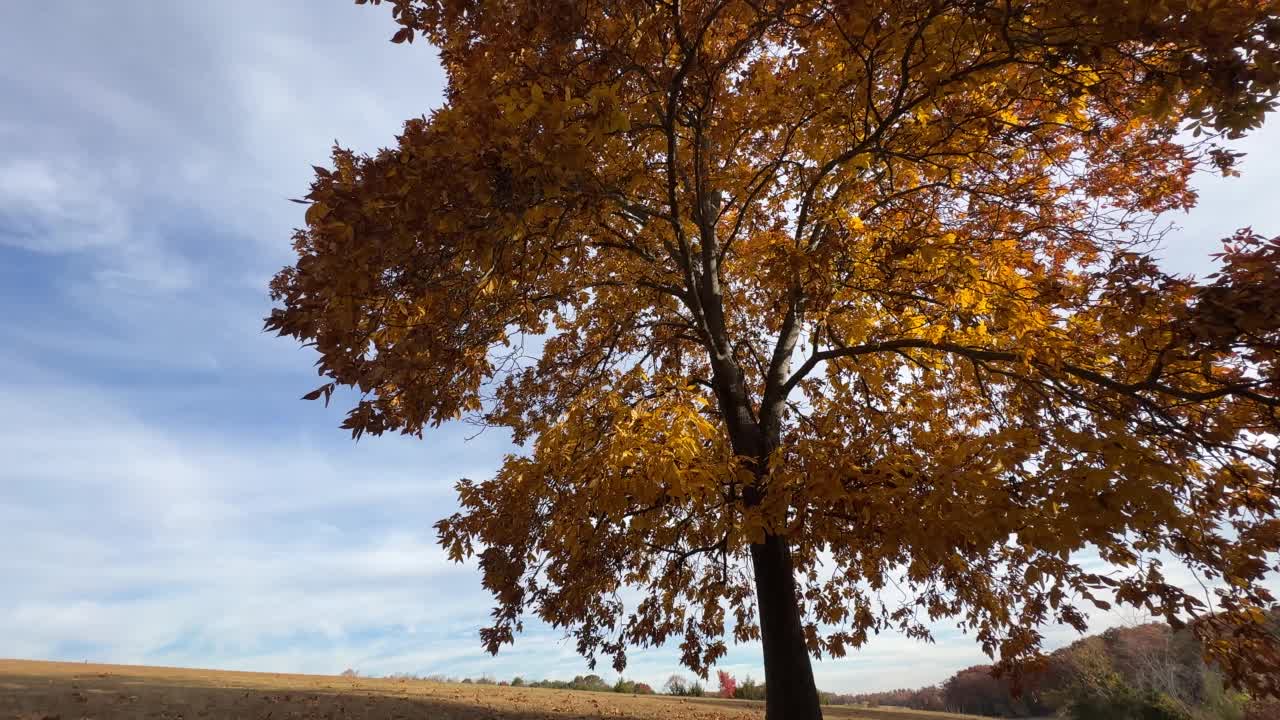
<point x="821" y="317"/>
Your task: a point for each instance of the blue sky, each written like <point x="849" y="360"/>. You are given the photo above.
<point x="165" y="498"/>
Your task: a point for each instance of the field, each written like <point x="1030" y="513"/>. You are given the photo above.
<point x="31" y="690"/>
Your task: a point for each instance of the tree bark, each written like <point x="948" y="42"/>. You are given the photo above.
<point x="790" y="692"/>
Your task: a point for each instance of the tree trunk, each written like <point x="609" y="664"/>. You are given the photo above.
<point x="790" y="693"/>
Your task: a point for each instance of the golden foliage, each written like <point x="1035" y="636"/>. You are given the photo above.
<point x="870" y="276"/>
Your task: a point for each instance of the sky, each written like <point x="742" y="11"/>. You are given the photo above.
<point x="165" y="498"/>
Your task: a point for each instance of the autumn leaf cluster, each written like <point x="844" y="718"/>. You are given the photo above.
<point x="875" y="276"/>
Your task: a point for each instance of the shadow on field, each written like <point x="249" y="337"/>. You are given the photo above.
<point x="110" y="698"/>
<point x="722" y="702"/>
<point x="839" y="712"/>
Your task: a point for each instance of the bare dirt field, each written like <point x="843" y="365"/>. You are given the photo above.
<point x="32" y="690"/>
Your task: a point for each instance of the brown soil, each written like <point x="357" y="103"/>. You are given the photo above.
<point x="33" y="690"/>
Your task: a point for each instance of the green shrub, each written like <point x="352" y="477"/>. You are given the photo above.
<point x="593" y="683"/>
<point x="749" y="689"/>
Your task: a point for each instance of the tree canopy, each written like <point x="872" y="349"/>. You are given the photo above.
<point x="821" y="317"/>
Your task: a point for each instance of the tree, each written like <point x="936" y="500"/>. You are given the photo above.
<point x="790" y="301"/>
<point x="749" y="689"/>
<point x="590" y="682"/>
<point x="1095" y="689"/>
<point x="676" y="685"/>
<point x="728" y="685"/>
<point x="975" y="691"/>
<point x="1153" y="658"/>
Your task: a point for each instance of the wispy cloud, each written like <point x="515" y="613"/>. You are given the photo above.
<point x="58" y="205"/>
<point x="135" y="540"/>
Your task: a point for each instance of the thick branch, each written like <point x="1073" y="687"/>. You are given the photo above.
<point x="1148" y="383"/>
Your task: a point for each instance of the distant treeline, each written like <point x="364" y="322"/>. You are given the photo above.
<point x="1146" y="672"/>
<point x="747" y="689"/>
<point x="593" y="683"/>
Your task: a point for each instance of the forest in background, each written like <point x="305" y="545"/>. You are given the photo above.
<point x="1138" y="672"/>
<point x="1147" y="672"/>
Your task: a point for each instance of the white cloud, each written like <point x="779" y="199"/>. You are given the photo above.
<point x="114" y="155"/>
<point x="130" y="537"/>
<point x="60" y="205"/>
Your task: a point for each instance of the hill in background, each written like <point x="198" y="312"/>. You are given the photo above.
<point x="1147" y="672"/>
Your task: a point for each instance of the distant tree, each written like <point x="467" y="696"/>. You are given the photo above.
<point x="643" y="689"/>
<point x="749" y="689"/>
<point x="676" y="685"/>
<point x="466" y="681"/>
<point x="1133" y="672"/>
<point x="1219" y="702"/>
<point x="798" y="275"/>
<point x="624" y="686"/>
<point x="1098" y="692"/>
<point x="517" y="681"/>
<point x="728" y="685"/>
<point x="594" y="683"/>
<point x="976" y="691"/>
<point x="350" y="673"/>
<point x="927" y="698"/>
